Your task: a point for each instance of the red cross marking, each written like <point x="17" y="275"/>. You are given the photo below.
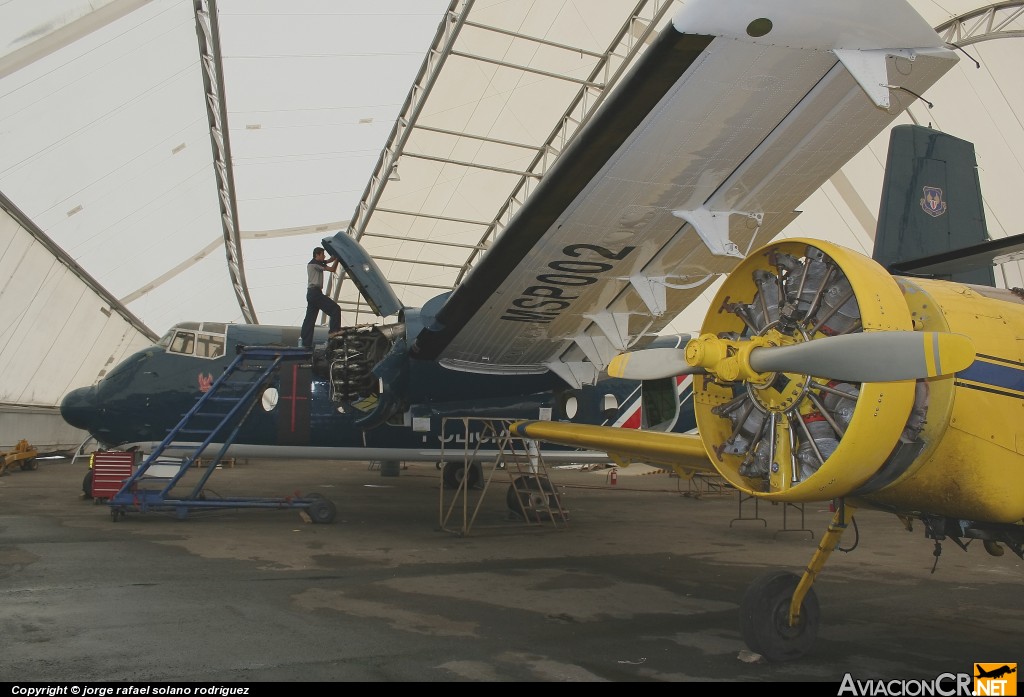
<point x="294" y="397"/>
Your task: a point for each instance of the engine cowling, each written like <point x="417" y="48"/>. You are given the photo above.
<point x="793" y="436"/>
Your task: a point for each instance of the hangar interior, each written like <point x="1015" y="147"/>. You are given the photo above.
<point x="165" y="162"/>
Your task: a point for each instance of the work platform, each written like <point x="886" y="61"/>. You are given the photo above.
<point x="531" y="495"/>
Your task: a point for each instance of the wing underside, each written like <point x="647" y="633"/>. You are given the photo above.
<point x="703" y="152"/>
<point x="685" y="453"/>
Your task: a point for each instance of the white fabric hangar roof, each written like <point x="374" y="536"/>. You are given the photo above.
<point x="419" y="125"/>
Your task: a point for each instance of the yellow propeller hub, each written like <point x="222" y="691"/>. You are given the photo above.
<point x="728" y="359"/>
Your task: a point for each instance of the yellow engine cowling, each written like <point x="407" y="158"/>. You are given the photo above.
<point x="792" y="437"/>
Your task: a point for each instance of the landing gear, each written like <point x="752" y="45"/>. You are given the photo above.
<point x="764" y="617"/>
<point x="764" y="612"/>
<point x="454" y="472"/>
<point x="532" y="495"/>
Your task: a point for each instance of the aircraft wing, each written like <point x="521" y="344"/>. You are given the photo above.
<point x="733" y="116"/>
<point x="683" y="452"/>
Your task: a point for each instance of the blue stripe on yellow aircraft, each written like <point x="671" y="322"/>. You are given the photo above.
<point x="995" y="374"/>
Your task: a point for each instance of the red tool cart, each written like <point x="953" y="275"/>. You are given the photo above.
<point x="110" y="469"/>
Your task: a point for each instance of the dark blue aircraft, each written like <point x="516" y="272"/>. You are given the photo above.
<point x="327" y="403"/>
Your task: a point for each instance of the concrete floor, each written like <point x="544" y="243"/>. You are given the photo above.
<point x="642" y="584"/>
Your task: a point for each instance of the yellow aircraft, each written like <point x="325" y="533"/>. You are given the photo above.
<point x="822" y="375"/>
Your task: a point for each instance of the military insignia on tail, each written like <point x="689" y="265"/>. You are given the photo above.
<point x="932" y="203"/>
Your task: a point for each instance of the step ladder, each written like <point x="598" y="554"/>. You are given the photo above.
<point x="217" y="414"/>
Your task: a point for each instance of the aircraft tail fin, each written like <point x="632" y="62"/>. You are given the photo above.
<point x="932" y="218"/>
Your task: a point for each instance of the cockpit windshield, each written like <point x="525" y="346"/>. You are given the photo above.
<point x="199" y="339"/>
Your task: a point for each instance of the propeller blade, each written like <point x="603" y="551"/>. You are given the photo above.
<point x="870" y="356"/>
<point x="651" y="364"/>
<point x="861" y="357"/>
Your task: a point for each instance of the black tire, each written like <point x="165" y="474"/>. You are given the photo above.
<point x="993" y="548"/>
<point x="87" y="486"/>
<point x="455" y="471"/>
<point x="533" y="495"/>
<point x="321" y="510"/>
<point x="29" y="464"/>
<point x="764" y="617"/>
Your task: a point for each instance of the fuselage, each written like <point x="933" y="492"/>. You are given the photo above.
<point x="972" y="466"/>
<point x="296" y="415"/>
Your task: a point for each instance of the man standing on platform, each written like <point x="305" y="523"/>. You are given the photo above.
<point x="316" y="301"/>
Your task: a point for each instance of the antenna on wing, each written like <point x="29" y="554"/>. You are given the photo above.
<point x="961" y="50"/>
<point x="901" y="87"/>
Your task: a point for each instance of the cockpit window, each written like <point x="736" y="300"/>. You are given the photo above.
<point x="194" y="343"/>
<point x="183" y="342"/>
<point x="209" y="345"/>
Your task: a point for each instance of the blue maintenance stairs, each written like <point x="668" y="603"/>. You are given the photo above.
<point x="217" y="414"/>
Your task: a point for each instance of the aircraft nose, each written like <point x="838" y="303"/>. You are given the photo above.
<point x="78" y="407"/>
